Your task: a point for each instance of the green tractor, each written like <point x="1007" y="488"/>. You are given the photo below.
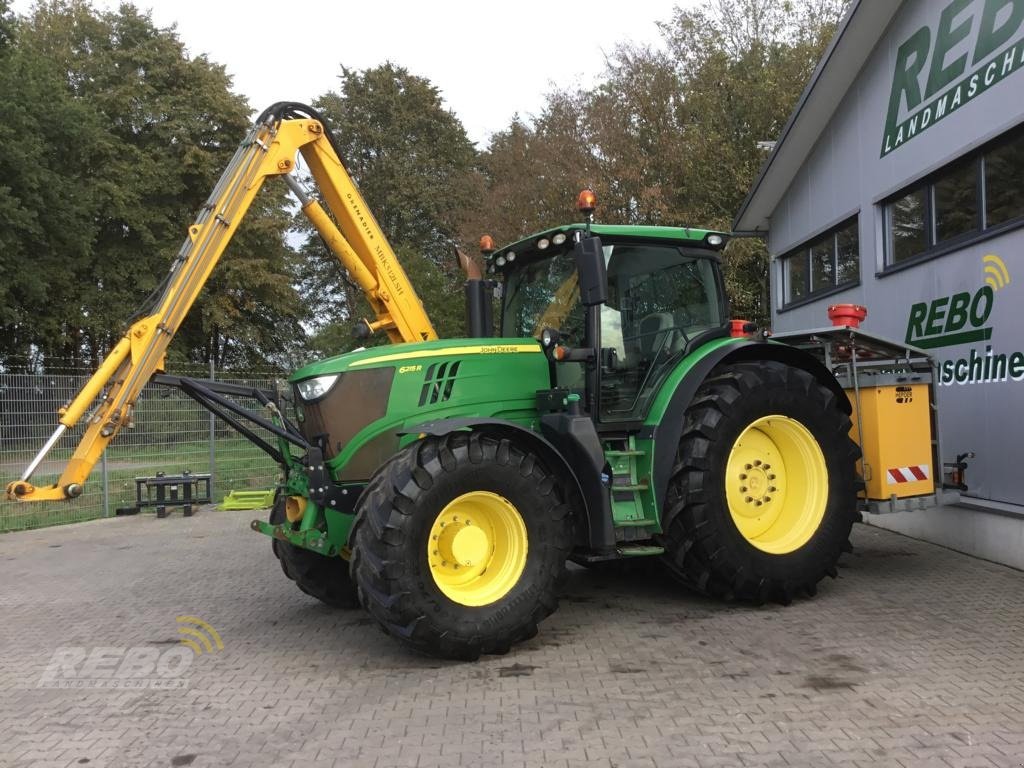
<point x="618" y="414"/>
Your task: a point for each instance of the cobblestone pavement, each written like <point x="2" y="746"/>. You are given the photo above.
<point x="914" y="656"/>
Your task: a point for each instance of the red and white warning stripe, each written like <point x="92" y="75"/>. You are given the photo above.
<point x="907" y="474"/>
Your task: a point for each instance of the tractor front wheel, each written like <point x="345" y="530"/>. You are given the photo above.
<point x="325" y="578"/>
<point x="460" y="544"/>
<point x="763" y="492"/>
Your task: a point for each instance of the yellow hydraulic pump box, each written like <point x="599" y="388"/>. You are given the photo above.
<point x="897" y="440"/>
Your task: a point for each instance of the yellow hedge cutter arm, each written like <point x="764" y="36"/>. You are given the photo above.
<point x="357" y="241"/>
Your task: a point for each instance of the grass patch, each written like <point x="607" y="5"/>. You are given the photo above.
<point x="238" y="465"/>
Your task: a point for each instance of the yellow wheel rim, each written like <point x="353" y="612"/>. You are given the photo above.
<point x="477" y="548"/>
<point x="776" y="484"/>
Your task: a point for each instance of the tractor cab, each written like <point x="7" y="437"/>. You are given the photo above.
<point x="663" y="297"/>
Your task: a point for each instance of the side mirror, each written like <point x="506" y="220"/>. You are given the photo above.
<point x="592" y="271"/>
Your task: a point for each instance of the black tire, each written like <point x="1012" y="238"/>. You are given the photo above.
<point x="704" y="547"/>
<point x="325" y="578"/>
<point x="389" y="544"/>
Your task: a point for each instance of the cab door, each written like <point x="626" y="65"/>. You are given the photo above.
<point x="660" y="297"/>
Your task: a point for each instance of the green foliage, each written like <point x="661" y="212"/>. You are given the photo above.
<point x="121" y="135"/>
<point x="50" y="197"/>
<point x="406" y="151"/>
<point x="7" y="24"/>
<point x="529" y="174"/>
<point x="250" y="313"/>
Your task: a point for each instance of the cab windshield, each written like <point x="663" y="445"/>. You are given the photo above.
<point x="653" y="290"/>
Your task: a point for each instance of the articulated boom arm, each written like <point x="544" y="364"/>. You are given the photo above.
<point x="269" y="150"/>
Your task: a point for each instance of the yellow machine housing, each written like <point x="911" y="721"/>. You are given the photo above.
<point x="897" y="439"/>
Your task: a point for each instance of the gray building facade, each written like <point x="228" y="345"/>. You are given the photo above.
<point x="898" y="184"/>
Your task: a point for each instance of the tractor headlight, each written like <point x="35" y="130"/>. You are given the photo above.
<point x="313" y="389"/>
<point x="715" y="240"/>
<point x="558" y="239"/>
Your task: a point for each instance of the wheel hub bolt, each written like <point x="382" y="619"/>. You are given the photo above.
<point x="743" y="489"/>
<point x="749" y="499"/>
<point x="757" y="462"/>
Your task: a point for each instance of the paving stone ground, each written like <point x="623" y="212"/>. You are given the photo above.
<point x="914" y="656"/>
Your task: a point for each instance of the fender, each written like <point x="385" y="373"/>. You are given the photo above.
<point x="553" y="457"/>
<point x="667" y="433"/>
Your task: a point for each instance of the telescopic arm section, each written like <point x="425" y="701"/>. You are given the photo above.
<point x="107" y="400"/>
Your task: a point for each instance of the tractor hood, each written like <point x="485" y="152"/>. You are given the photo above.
<point x="418" y="353"/>
<point x="358" y="404"/>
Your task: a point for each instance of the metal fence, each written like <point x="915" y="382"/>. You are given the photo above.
<point x="172" y="434"/>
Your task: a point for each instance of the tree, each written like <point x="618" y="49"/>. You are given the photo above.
<point x="527" y="171"/>
<point x="7" y="22"/>
<point x="50" y="196"/>
<point x="413" y="164"/>
<point x="409" y="155"/>
<point x="131" y="134"/>
<point x="633" y="121"/>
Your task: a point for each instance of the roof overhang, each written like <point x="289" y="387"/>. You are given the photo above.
<point x="855" y="39"/>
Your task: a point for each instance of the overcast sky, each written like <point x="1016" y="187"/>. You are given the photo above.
<point x="489" y="59"/>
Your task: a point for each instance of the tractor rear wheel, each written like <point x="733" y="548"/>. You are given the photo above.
<point x="460" y="544"/>
<point x="763" y="492"/>
<point x="325" y="578"/>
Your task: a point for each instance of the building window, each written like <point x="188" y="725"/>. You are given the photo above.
<point x="796" y="279"/>
<point x="907" y="217"/>
<point x="1004" y="192"/>
<point x="826" y="263"/>
<point x="956" y="202"/>
<point x="948" y="206"/>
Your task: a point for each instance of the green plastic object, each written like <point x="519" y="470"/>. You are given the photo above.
<point x="236" y="500"/>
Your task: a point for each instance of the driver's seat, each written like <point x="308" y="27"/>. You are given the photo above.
<point x="658" y="333"/>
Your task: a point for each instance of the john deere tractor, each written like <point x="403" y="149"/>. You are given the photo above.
<point x="444" y="484"/>
<point x="616" y="416"/>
